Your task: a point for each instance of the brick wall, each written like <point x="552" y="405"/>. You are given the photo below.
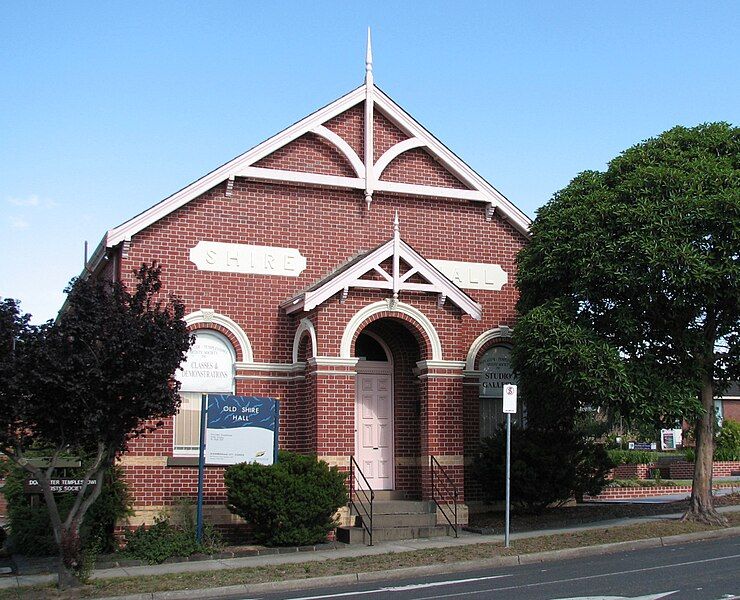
<point x="685" y="470"/>
<point x="627" y="493"/>
<point x="731" y="409"/>
<point x="329" y="226"/>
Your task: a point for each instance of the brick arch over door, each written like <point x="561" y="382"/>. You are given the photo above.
<point x="419" y="324"/>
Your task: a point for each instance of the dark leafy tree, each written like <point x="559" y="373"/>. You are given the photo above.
<point x="86" y="384"/>
<point x="548" y="467"/>
<point x="630" y="289"/>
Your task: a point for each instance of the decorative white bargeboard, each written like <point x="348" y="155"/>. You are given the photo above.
<point x="472" y="276"/>
<point x="242" y="258"/>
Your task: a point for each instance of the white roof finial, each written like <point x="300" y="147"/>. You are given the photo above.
<point x="369" y="56"/>
<point x="396" y="225"/>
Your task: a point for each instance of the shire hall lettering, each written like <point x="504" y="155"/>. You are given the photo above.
<point x="242" y="258"/>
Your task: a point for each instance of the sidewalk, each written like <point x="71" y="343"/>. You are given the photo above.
<point x="323" y="555"/>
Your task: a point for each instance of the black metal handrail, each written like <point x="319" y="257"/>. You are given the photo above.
<point x="367" y="524"/>
<point x="450" y="489"/>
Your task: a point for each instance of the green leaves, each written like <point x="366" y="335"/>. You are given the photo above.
<point x="290" y="503"/>
<point x="104" y="367"/>
<point x="631" y="283"/>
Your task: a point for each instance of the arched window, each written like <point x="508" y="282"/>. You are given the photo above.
<point x="495" y="371"/>
<point x="208" y="368"/>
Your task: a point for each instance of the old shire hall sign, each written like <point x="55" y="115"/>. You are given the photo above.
<point x="269" y="260"/>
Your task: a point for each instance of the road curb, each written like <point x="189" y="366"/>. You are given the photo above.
<point x="581" y="551"/>
<point x="436" y="569"/>
<point x="681" y="538"/>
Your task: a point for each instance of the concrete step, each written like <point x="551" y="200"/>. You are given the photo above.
<point x="400" y="507"/>
<point x="357" y="535"/>
<point x="381" y="495"/>
<point x="381" y="521"/>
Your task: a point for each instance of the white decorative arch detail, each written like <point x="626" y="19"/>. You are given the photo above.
<point x="499" y="332"/>
<point x="343" y="147"/>
<point x="368" y="311"/>
<point x="305" y="326"/>
<point x="210" y="316"/>
<point x="395" y="151"/>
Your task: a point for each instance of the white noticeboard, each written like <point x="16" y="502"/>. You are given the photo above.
<point x="510" y="393"/>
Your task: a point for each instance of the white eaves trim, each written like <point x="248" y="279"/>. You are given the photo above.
<point x="397" y="249"/>
<point x="198" y="187"/>
<point x="481" y="190"/>
<point x="450" y="160"/>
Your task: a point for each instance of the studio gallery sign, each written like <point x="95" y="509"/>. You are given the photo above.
<point x="495" y="372"/>
<point x="241" y="429"/>
<point x="242" y="258"/>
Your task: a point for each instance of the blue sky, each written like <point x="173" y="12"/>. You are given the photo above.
<point x="108" y="107"/>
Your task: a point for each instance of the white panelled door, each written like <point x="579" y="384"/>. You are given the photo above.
<point x="374" y="429"/>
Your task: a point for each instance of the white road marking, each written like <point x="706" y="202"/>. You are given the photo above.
<point x="402" y="588"/>
<point x="648" y="597"/>
<point x="524" y="585"/>
<point x="570" y="579"/>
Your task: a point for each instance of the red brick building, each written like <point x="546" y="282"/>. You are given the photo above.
<point x="354" y="268"/>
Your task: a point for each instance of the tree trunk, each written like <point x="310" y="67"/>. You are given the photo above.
<point x="70" y="557"/>
<point x="701" y="507"/>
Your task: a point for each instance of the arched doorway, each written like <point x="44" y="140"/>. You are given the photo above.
<point x="387" y="440"/>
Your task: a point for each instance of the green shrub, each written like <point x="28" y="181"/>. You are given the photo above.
<point x="546" y="467"/>
<point x="290" y="503"/>
<point x="726" y="442"/>
<point x="646" y="483"/>
<point x="173" y="534"/>
<point x="30" y="528"/>
<point x="633" y="457"/>
<point x="727" y="445"/>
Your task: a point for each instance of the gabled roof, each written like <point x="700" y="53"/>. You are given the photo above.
<point x="352" y="274"/>
<point x="366" y="169"/>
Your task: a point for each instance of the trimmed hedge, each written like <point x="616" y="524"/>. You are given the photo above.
<point x="641" y="457"/>
<point x="290" y="503"/>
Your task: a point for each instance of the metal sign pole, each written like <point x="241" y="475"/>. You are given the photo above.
<point x="509" y="407"/>
<point x="508" y="478"/>
<point x="201" y="470"/>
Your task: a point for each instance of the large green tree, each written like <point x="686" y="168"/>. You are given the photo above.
<point x="630" y="289"/>
<point x="87" y="383"/>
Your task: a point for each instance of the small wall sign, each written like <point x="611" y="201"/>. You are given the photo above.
<point x="495" y="371"/>
<point x="208" y="367"/>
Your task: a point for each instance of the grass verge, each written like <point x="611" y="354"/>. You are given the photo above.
<point x="348" y="565"/>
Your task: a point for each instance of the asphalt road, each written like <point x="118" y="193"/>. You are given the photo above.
<point x="702" y="570"/>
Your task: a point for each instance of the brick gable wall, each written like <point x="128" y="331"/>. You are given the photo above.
<point x="328" y="226"/>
